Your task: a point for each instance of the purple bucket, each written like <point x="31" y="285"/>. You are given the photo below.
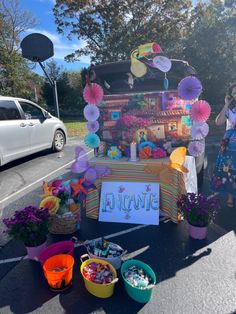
<point x="62" y="247"/>
<point x="34" y="252"/>
<point x="199" y="233"/>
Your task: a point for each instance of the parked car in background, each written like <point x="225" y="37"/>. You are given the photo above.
<point x="26" y="128"/>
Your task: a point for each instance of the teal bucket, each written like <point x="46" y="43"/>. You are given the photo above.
<point x="137" y="294"/>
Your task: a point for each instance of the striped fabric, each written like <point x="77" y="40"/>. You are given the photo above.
<point x="124" y="171"/>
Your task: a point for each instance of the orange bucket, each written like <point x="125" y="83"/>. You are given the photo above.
<point x="58" y="271"/>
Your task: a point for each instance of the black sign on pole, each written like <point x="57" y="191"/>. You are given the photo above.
<point x="37" y="47"/>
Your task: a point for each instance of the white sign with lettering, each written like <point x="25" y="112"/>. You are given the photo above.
<point x="130" y="202"/>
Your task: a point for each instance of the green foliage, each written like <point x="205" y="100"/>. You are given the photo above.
<point x="69" y="89"/>
<point x="14" y="70"/>
<point x="112" y="29"/>
<point x="210" y="47"/>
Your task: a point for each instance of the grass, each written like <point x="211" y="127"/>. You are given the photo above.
<point x="76" y="128"/>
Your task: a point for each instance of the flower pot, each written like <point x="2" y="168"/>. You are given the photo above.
<point x="34" y="251"/>
<point x="199" y="233"/>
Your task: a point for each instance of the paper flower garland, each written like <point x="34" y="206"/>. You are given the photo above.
<point x="93" y="94"/>
<point x="114" y="153"/>
<point x="93" y="126"/>
<point x="92" y="140"/>
<point x="91" y="113"/>
<point x="196" y="148"/>
<point x="199" y="130"/>
<point x="189" y="88"/>
<point x="200" y="111"/>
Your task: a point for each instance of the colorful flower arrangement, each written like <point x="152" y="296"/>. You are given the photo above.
<point x="29" y="225"/>
<point x="63" y="197"/>
<point x="149" y="150"/>
<point x="198" y="209"/>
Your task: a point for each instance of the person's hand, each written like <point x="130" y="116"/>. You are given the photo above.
<point x="228" y="100"/>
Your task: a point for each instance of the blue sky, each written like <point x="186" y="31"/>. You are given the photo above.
<point x="42" y="11"/>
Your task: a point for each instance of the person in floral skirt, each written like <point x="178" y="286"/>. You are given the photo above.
<point x="224" y="176"/>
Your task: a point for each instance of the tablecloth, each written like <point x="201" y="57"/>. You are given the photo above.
<point x="123" y="170"/>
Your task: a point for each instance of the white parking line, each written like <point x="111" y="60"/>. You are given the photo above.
<point x="39" y="180"/>
<point x="113" y="235"/>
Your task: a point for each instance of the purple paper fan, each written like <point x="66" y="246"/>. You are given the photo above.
<point x="189" y="88"/>
<point x="91" y="175"/>
<point x="91" y="113"/>
<point x="196" y="148"/>
<point x="199" y="130"/>
<point x="93" y="126"/>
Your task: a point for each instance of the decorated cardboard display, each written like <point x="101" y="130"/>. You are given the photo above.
<point x="142" y="126"/>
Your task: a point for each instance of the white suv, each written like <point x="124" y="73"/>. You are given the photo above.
<point x="26" y="128"/>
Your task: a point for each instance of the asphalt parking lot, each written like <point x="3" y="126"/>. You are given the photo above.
<point x="192" y="276"/>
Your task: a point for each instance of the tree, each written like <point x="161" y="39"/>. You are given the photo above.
<point x="13" y="21"/>
<point x="111" y="29"/>
<point x="69" y="88"/>
<point x="210" y="47"/>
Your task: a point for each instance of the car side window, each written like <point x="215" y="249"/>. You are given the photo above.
<point x="31" y="111"/>
<point x="9" y="110"/>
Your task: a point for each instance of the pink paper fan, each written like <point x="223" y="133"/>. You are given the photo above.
<point x="200" y="111"/>
<point x="93" y="126"/>
<point x="196" y="148"/>
<point x="91" y="113"/>
<point x="199" y="130"/>
<point x="93" y="94"/>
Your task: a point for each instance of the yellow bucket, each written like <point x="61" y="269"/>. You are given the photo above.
<point x="98" y="290"/>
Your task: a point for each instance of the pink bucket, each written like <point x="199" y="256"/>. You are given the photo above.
<point x="62" y="247"/>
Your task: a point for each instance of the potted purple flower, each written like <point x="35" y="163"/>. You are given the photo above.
<point x="199" y="210"/>
<point x="29" y="225"/>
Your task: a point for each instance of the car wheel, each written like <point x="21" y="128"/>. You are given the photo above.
<point x="58" y="141"/>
